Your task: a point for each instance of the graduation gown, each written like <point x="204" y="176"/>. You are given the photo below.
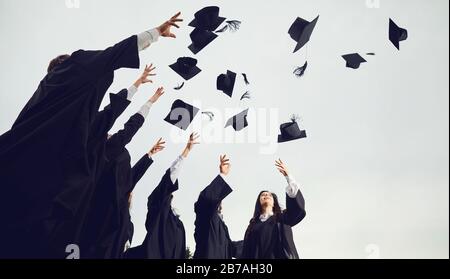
<point x="68" y="228"/>
<point x="47" y="151"/>
<point x="273" y="238"/>
<point x="108" y="218"/>
<point x="166" y="238"/>
<point x="211" y="233"/>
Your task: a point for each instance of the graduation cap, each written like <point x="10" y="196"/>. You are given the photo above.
<point x="186" y="67"/>
<point x="207" y="19"/>
<point x="181" y="114"/>
<point x="353" y="60"/>
<point x="291" y="131"/>
<point x="225" y="82"/>
<point x="397" y="34"/>
<point x="200" y="39"/>
<point x="301" y="31"/>
<point x="239" y="121"/>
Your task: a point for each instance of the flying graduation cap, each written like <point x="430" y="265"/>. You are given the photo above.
<point x="291" y="131"/>
<point x="239" y="121"/>
<point x="181" y="114"/>
<point x="186" y="67"/>
<point x="200" y="39"/>
<point x="301" y="31"/>
<point x="207" y="19"/>
<point x="225" y="83"/>
<point x="353" y="60"/>
<point x="397" y="34"/>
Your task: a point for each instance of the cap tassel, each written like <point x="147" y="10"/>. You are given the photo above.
<point x="232" y="25"/>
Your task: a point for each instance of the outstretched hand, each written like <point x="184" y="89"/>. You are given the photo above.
<point x="224" y="165"/>
<point x="281" y="167"/>
<point x="144" y="78"/>
<point x="159" y="92"/>
<point x="191" y="143"/>
<point x="164" y="29"/>
<point x="159" y="146"/>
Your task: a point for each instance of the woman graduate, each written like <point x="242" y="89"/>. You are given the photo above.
<point x="211" y="233"/>
<point x="269" y="234"/>
<point x="108" y="222"/>
<point x="166" y="237"/>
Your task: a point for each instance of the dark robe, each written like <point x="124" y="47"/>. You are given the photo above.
<point x="273" y="238"/>
<point x="109" y="225"/>
<point x="166" y="238"/>
<point x="211" y="233"/>
<point x="68" y="228"/>
<point x="48" y="149"/>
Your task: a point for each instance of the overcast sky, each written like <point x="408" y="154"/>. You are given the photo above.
<point x="374" y="168"/>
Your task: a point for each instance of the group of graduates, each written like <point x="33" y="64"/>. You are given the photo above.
<point x="66" y="181"/>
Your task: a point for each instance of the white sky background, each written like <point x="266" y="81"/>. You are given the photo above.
<point x="374" y="168"/>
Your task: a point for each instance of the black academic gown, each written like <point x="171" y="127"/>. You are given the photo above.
<point x="68" y="228"/>
<point x="273" y="238"/>
<point x="47" y="150"/>
<point x="108" y="226"/>
<point x="166" y="238"/>
<point x="211" y="233"/>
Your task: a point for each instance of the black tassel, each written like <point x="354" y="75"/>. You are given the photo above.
<point x="232" y="25"/>
<point x="300" y="71"/>
<point x="179" y="86"/>
<point x="209" y="114"/>
<point x="295" y="118"/>
<point x="246" y="96"/>
<point x="371" y="53"/>
<point x="223" y="29"/>
<point x="245" y="79"/>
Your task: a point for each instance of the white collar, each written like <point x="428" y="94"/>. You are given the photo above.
<point x="265" y="217"/>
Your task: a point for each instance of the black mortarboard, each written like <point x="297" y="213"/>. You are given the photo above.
<point x="239" y="121"/>
<point x="200" y="39"/>
<point x="207" y="19"/>
<point x="186" y="67"/>
<point x="181" y="114"/>
<point x="225" y="82"/>
<point x="353" y="60"/>
<point x="397" y="34"/>
<point x="290" y="131"/>
<point x="301" y="31"/>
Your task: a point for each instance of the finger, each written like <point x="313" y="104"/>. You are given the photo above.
<point x="221" y="158"/>
<point x="152" y="69"/>
<point x="171" y="35"/>
<point x="176" y="15"/>
<point x="174" y="25"/>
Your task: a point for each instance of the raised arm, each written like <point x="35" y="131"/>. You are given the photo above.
<point x="124" y="54"/>
<point x="211" y="197"/>
<point x="295" y="203"/>
<point x="146" y="161"/>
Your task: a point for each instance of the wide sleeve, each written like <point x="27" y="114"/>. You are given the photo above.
<point x="140" y="168"/>
<point x="117" y="142"/>
<point x="104" y="120"/>
<point x="211" y="197"/>
<point x="160" y="198"/>
<point x="97" y="63"/>
<point x="295" y="209"/>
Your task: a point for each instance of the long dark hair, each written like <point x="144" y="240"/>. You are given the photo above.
<point x="258" y="211"/>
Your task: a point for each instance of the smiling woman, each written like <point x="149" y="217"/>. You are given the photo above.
<point x="269" y="234"/>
